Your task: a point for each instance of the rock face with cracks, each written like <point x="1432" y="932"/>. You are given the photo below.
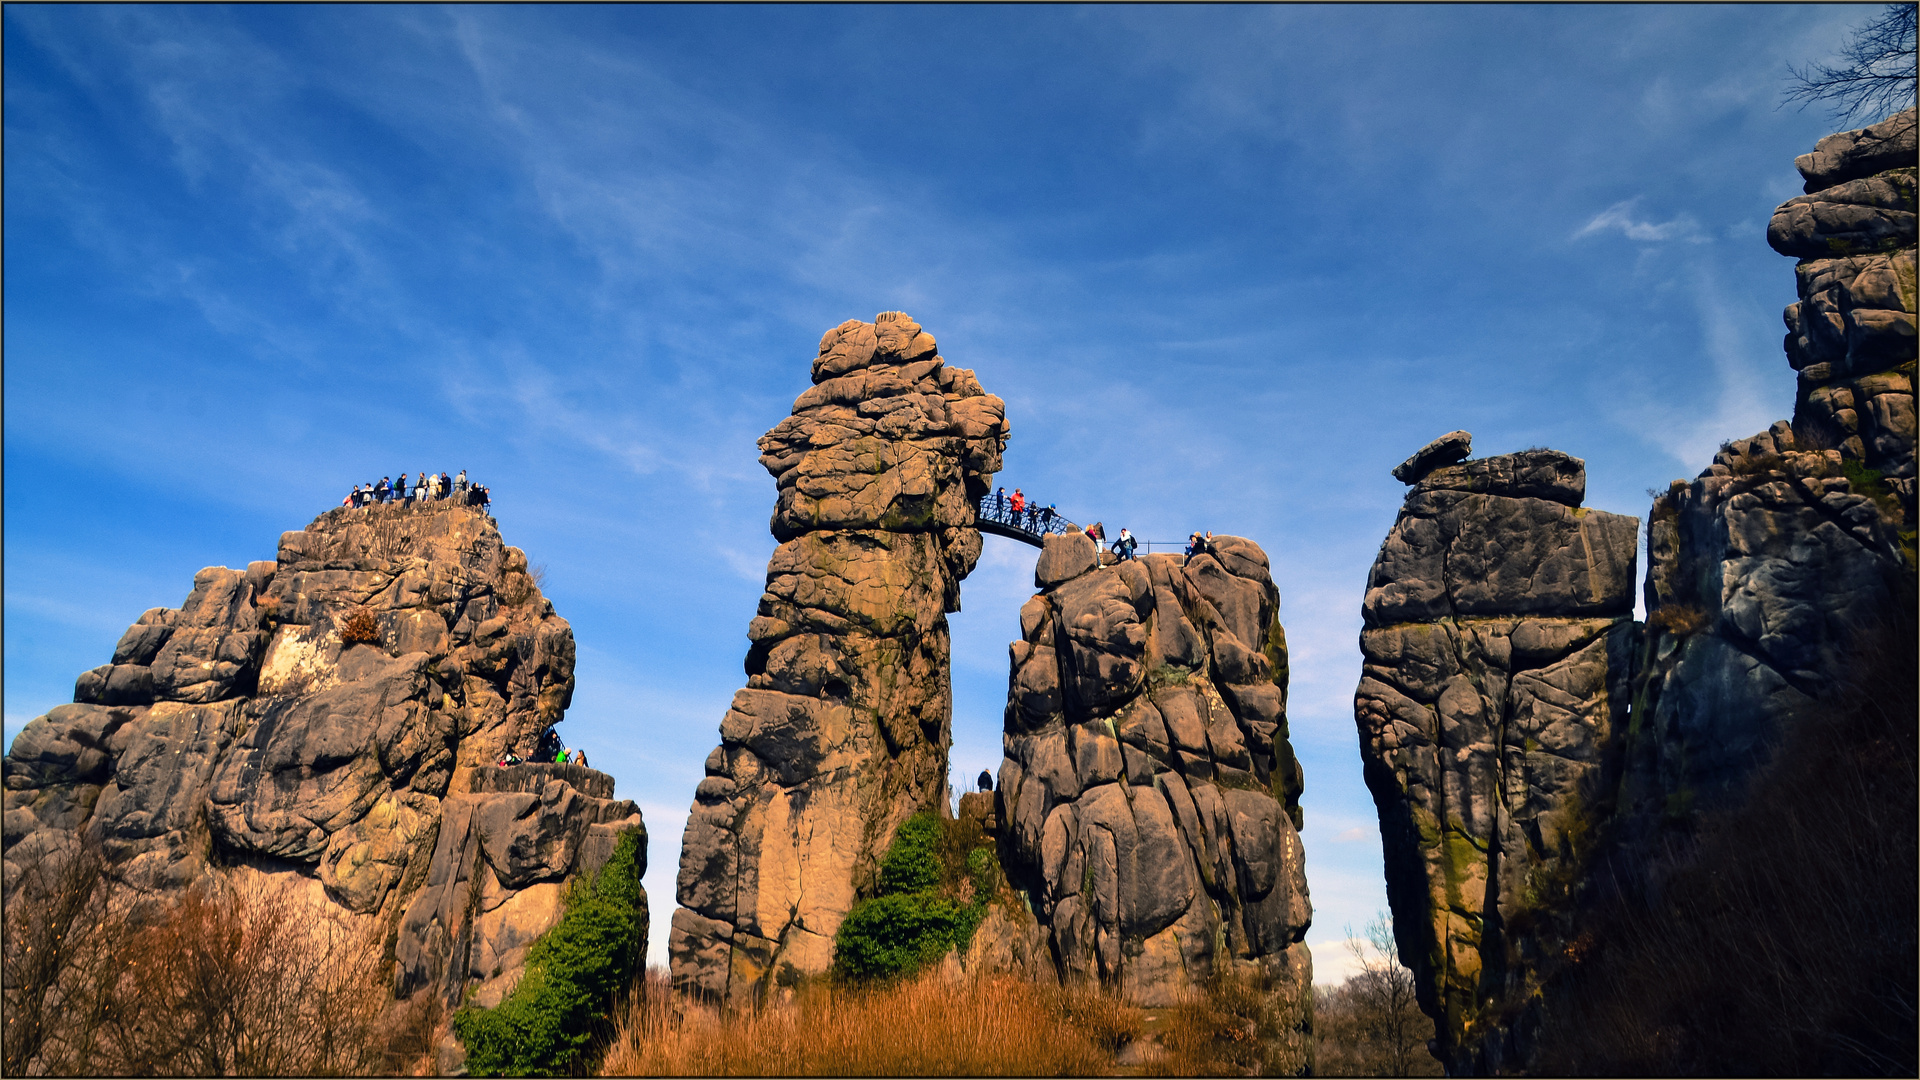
<point x="1504" y="825"/>
<point x="1763" y="568"/>
<point x="334" y="716"/>
<point x="1149" y="797"/>
<point x="843" y="728"/>
<point x="1498" y="648"/>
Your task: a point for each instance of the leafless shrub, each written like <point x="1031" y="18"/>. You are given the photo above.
<point x="224" y="980"/>
<point x="360" y="626"/>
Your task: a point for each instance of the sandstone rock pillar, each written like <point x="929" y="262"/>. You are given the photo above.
<point x="843" y="728"/>
<point x="1149" y="796"/>
<point x="1498" y="646"/>
<point x="328" y="723"/>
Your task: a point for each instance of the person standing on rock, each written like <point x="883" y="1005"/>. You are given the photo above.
<point x="1124" y="546"/>
<point x="446" y="485"/>
<point x="460" y="482"/>
<point x="385" y="490"/>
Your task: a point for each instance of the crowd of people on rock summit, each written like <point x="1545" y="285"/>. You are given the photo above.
<point x="426" y="486"/>
<point x="1016" y="511"/>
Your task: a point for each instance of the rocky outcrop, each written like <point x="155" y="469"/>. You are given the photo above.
<point x="842" y="730"/>
<point x="1149" y="797"/>
<point x="1851" y="333"/>
<point x="335" y="714"/>
<point x="1498" y="648"/>
<point x="1763" y="568"/>
<point x="1534" y="755"/>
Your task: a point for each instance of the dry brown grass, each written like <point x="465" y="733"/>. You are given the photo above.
<point x="1678" y="619"/>
<point x="993" y="1025"/>
<point x="989" y="1026"/>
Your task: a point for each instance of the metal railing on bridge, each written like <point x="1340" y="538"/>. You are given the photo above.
<point x="1030" y="524"/>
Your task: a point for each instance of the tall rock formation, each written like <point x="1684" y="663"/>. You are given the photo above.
<point x="1763" y="568"/>
<point x="333" y="718"/>
<point x="1535" y="755"/>
<point x="842" y="730"/>
<point x="1498" y="648"/>
<point x="1149" y="796"/>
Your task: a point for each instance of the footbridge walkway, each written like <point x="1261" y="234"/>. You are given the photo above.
<point x="994" y="514"/>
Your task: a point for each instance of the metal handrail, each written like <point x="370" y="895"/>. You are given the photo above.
<point x="1031" y="525"/>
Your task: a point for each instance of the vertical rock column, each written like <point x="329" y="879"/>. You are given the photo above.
<point x="1764" y="568"/>
<point x="1851" y="333"/>
<point x="843" y="729"/>
<point x="1149" y="793"/>
<point x="1498" y="642"/>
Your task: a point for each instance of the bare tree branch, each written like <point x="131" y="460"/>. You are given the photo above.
<point x="1876" y="78"/>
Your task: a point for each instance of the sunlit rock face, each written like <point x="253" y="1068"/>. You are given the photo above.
<point x="1498" y="649"/>
<point x="1149" y="797"/>
<point x="843" y="728"/>
<point x="331" y="717"/>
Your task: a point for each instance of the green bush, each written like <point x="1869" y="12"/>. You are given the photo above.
<point x="912" y="863"/>
<point x="916" y="918"/>
<point x="574" y="973"/>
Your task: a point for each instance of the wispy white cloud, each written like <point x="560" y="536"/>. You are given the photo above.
<point x="1621" y="218"/>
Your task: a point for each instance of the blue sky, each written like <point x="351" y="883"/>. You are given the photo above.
<point x="1227" y="266"/>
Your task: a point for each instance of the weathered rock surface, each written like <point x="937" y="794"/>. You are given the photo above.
<point x="242" y="730"/>
<point x="842" y="730"/>
<point x="1851" y="333"/>
<point x="1149" y="796"/>
<point x="1510" y="772"/>
<point x="1498" y="650"/>
<point x="1762" y="568"/>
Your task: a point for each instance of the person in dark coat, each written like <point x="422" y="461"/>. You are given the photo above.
<point x="985" y="782"/>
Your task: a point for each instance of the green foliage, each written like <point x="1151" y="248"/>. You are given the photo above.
<point x="901" y="932"/>
<point x="917" y="917"/>
<point x="912" y="863"/>
<point x="574" y="972"/>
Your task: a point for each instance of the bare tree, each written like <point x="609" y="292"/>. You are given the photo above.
<point x="1371" y="1025"/>
<point x="1392" y="1011"/>
<point x="1876" y="78"/>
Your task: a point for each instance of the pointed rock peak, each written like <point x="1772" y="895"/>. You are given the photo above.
<point x="1448" y="449"/>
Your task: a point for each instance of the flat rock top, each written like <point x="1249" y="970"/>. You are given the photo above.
<point x="1529" y="474"/>
<point x="1445" y="450"/>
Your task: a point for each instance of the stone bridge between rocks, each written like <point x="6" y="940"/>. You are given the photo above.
<point x="1148" y="806"/>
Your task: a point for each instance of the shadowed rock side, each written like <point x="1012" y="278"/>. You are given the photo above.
<point x="1498" y="642"/>
<point x="1149" y="797"/>
<point x="240" y="734"/>
<point x="843" y="728"/>
<point x="1762" y="568"/>
<point x="1762" y="573"/>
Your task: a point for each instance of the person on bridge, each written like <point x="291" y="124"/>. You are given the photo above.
<point x="1019" y="505"/>
<point x="999" y="501"/>
<point x="1124" y="546"/>
<point x="1046" y="515"/>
